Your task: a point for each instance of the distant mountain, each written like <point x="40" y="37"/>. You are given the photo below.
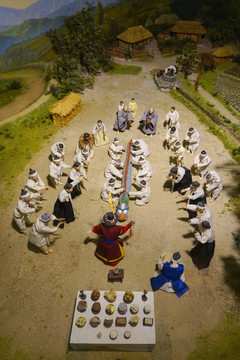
<point x="27" y="30"/>
<point x="37" y="50"/>
<point x="43" y="9"/>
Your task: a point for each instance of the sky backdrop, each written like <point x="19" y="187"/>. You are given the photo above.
<point x="18" y="4"/>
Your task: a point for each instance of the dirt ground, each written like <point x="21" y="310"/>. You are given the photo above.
<point x="38" y="291"/>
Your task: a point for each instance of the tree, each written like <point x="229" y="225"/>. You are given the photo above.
<point x="99" y="13"/>
<point x="79" y="49"/>
<point x="188" y="61"/>
<point x="206" y="62"/>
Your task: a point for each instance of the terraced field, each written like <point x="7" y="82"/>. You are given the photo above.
<point x="229" y="90"/>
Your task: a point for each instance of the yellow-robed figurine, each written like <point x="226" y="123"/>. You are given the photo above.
<point x="133" y="107"/>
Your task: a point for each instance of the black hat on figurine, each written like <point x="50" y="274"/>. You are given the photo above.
<point x="110" y="219"/>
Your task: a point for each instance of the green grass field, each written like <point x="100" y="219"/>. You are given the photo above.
<point x="31" y="130"/>
<point x="125" y="69"/>
<point x="6" y="95"/>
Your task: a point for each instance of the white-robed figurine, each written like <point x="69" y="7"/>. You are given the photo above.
<point x="192" y="140"/>
<point x="55" y="170"/>
<point x="172" y="118"/>
<point x="170" y="276"/>
<point x="115" y="150"/>
<point x="100" y="134"/>
<point x="203" y="251"/>
<point x="140" y="148"/>
<point x="148" y="122"/>
<point x="213" y="185"/>
<point x="22" y="210"/>
<point x="112" y="169"/>
<point x="178" y="154"/>
<point x="202" y="213"/>
<point x="172" y="136"/>
<point x="142" y="196"/>
<point x="57" y="149"/>
<point x="35" y="185"/>
<point x="40" y="231"/>
<point x="144" y="170"/>
<point x="120" y="106"/>
<point x="202" y="163"/>
<point x="113" y="187"/>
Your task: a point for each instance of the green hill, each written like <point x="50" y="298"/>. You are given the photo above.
<point x="36" y="50"/>
<point x="27" y="30"/>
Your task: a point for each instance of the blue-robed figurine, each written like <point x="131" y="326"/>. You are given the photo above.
<point x="169" y="276"/>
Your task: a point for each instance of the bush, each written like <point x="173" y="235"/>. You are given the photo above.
<point x="14" y="85"/>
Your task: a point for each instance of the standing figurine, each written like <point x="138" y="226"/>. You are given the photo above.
<point x="172" y="118"/>
<point x="133" y="107"/>
<point x="110" y="245"/>
<point x="120" y="106"/>
<point x="100" y="134"/>
<point x="148" y="122"/>
<point x="63" y="208"/>
<point x="75" y="177"/>
<point x="203" y="251"/>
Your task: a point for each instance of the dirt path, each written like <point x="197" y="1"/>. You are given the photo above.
<point x="39" y="291"/>
<point x="26" y="102"/>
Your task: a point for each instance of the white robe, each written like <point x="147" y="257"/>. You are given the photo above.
<point x="115" y="190"/>
<point x="115" y="151"/>
<point x="142" y="196"/>
<point x="56" y="171"/>
<point x="204" y="216"/>
<point x="144" y="172"/>
<point x="179" y="155"/>
<point x="202" y="164"/>
<point x="142" y="150"/>
<point x="39" y="234"/>
<point x="21" y="214"/>
<point x="214" y="185"/>
<point x="112" y="171"/>
<point x="193" y="141"/>
<point x="173" y="119"/>
<point x="34" y="187"/>
<point x="56" y="152"/>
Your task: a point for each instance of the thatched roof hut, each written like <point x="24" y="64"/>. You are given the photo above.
<point x="169" y="19"/>
<point x="223" y="54"/>
<point x="135" y="35"/>
<point x="65" y="109"/>
<point x="192" y="29"/>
